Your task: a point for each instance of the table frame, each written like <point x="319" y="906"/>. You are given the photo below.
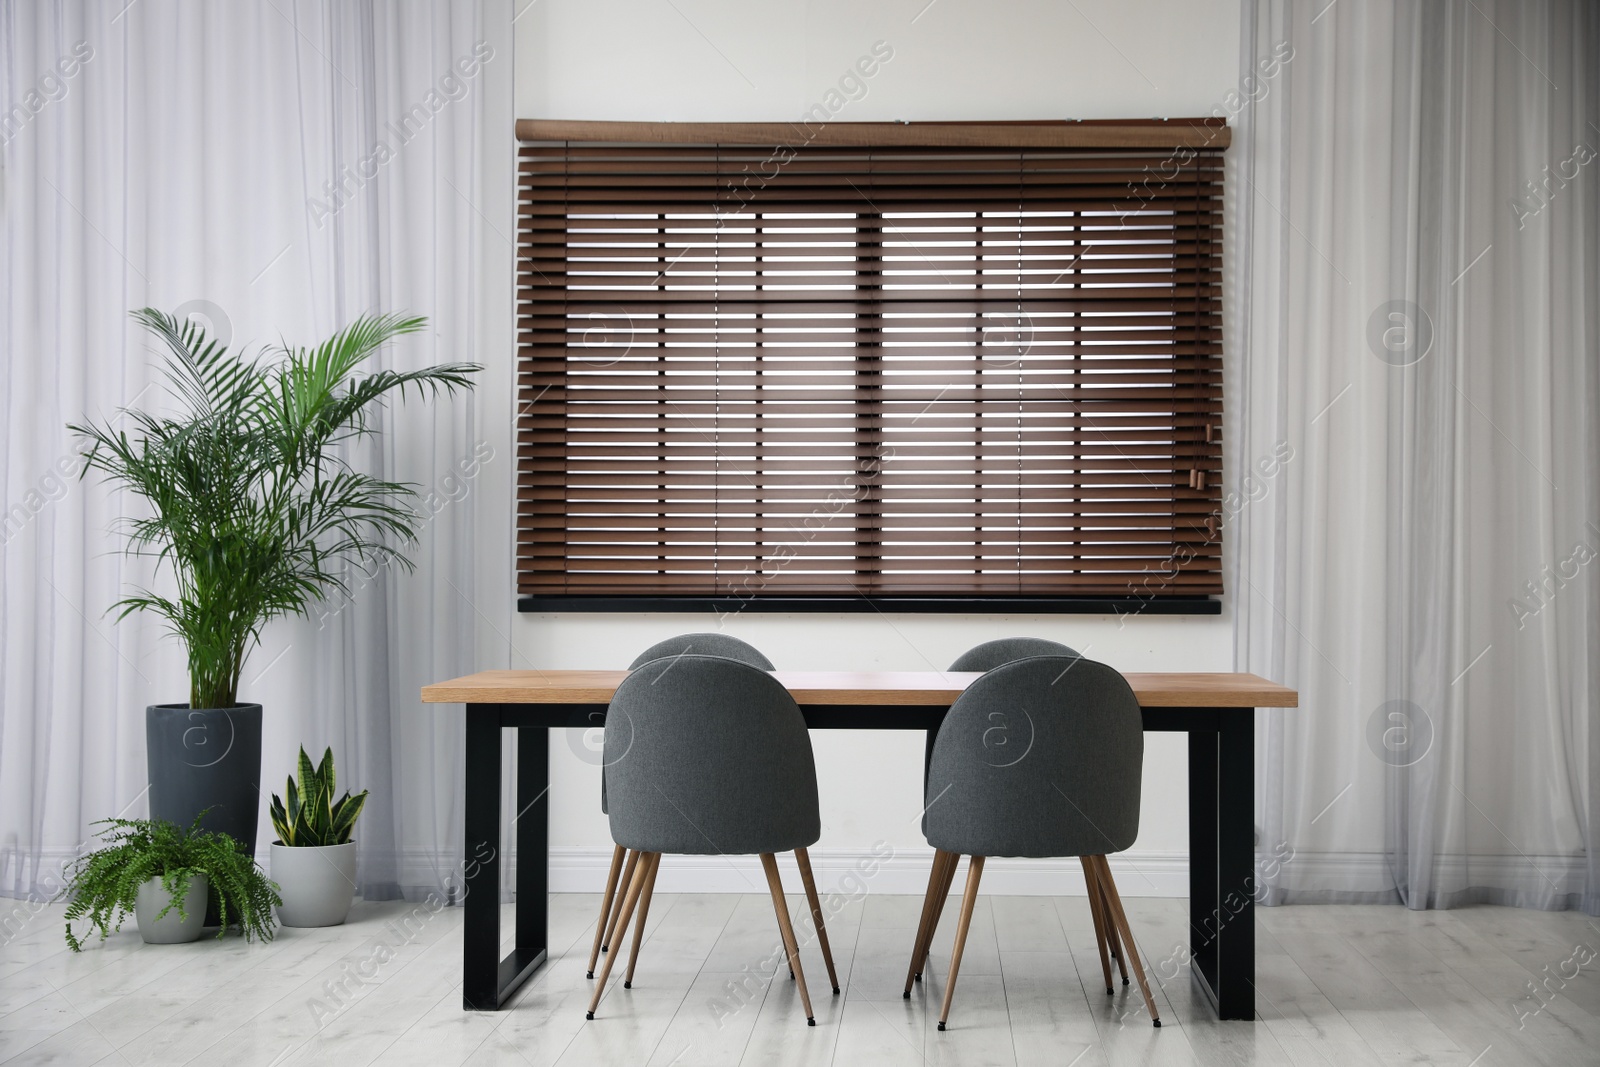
<point x="1222" y="929"/>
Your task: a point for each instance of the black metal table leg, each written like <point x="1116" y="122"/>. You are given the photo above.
<point x="1222" y="930"/>
<point x="1236" y="936"/>
<point x="533" y="853"/>
<point x="480" y="919"/>
<point x="487" y="980"/>
<point x="1203" y="911"/>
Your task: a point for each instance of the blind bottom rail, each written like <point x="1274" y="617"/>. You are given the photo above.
<point x="950" y="605"/>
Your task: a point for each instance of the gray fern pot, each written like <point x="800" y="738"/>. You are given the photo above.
<point x="317" y="883"/>
<point x="170" y="929"/>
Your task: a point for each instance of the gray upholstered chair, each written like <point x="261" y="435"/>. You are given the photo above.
<point x="708" y="756"/>
<point x="1040" y="757"/>
<point x="992" y="654"/>
<point x="706" y="644"/>
<point x="997" y="653"/>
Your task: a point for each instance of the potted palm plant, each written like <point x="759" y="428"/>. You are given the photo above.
<point x="314" y="860"/>
<point x="253" y="506"/>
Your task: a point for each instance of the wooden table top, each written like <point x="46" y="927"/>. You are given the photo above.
<point x="913" y="688"/>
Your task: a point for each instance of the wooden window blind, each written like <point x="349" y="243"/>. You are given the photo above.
<point x="872" y="363"/>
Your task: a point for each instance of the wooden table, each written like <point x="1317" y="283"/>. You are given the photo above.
<point x="1215" y="710"/>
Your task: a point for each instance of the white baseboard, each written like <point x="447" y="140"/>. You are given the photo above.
<point x="1138" y="874"/>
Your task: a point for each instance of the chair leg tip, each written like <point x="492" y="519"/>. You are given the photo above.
<point x="588" y="1015"/>
<point x="1124" y="981"/>
<point x="836" y="991"/>
<point x="589" y="974"/>
<point x="1156" y="1023"/>
<point x="627" y="985"/>
<point x="941" y="1026"/>
<point x="919" y="976"/>
<point x="906" y="995"/>
<point x="810" y="1021"/>
<point x="1110" y="992"/>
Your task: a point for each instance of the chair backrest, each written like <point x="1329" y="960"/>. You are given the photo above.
<point x="992" y="654"/>
<point x="1039" y="757"/>
<point x="709" y="644"/>
<point x="705" y="756"/>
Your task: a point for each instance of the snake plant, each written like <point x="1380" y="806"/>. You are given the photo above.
<point x="311" y="817"/>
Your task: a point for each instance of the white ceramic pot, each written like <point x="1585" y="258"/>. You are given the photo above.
<point x="170" y="929"/>
<point x="317" y="883"/>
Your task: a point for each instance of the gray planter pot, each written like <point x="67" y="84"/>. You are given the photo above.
<point x="317" y="884"/>
<point x="201" y="758"/>
<point x="206" y="758"/>
<point x="170" y="929"/>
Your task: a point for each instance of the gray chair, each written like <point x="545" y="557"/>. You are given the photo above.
<point x="992" y="654"/>
<point x="715" y="760"/>
<point x="997" y="653"/>
<point x="1040" y="757"/>
<point x="705" y="644"/>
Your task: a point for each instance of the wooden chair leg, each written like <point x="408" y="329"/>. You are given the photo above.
<point x="1093" y="885"/>
<point x="803" y="860"/>
<point x="951" y="862"/>
<point x="605" y="906"/>
<point x="1112" y="938"/>
<point x="1108" y="928"/>
<point x="627" y="880"/>
<point x="1120" y="918"/>
<point x="935" y="876"/>
<point x="644" y="913"/>
<point x="974" y="872"/>
<point x="769" y="863"/>
<point x="635" y="887"/>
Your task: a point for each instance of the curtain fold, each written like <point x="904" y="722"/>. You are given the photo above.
<point x="276" y="169"/>
<point x="1414" y="315"/>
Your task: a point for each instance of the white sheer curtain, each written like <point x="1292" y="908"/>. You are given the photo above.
<point x="1415" y="312"/>
<point x="277" y="168"/>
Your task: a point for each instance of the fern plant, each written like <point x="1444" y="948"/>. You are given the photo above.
<point x="105" y="883"/>
<point x="311" y="817"/>
<point x="252" y="502"/>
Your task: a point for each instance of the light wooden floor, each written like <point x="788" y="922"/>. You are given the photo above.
<point x="1338" y="985"/>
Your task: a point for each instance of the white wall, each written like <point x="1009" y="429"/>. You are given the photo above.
<point x="953" y="59"/>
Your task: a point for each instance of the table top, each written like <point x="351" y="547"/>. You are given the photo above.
<point x="907" y="688"/>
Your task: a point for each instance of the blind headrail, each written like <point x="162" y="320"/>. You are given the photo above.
<point x="1090" y="133"/>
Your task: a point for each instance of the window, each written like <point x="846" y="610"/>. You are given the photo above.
<point x="917" y="366"/>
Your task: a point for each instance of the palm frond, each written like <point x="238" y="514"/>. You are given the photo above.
<point x="200" y="369"/>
